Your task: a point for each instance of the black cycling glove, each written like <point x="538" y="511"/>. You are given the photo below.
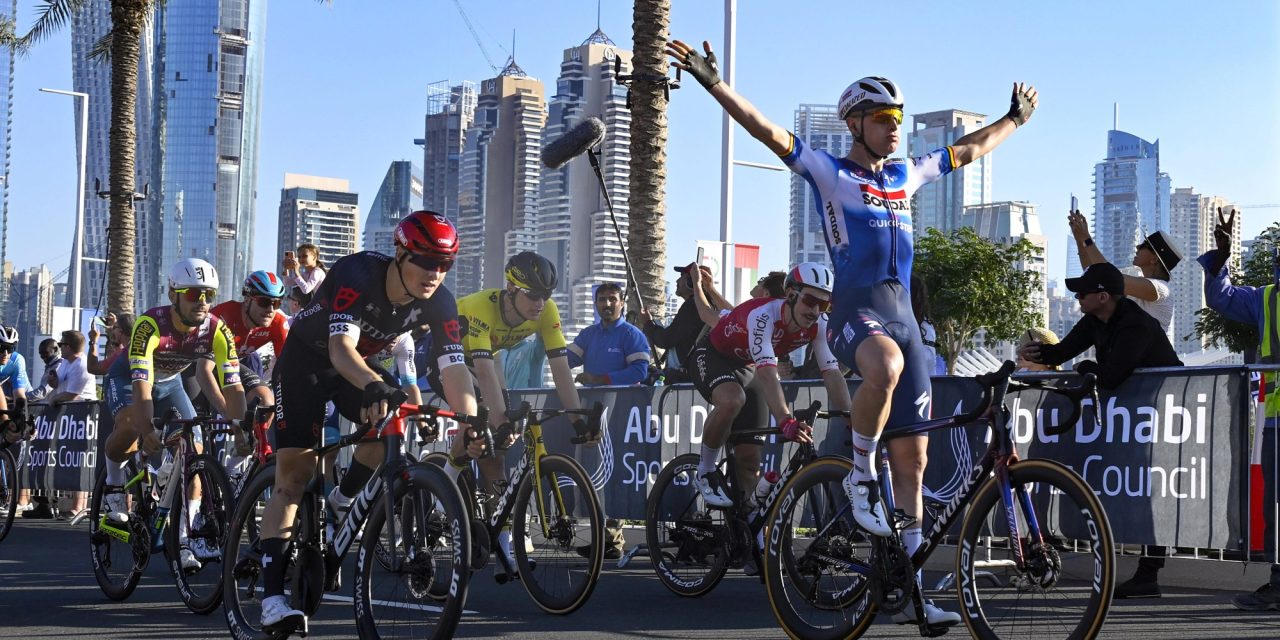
<point x="704" y="69"/>
<point x="375" y="392"/>
<point x="1020" y="107"/>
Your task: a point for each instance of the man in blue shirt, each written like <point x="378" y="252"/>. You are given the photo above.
<point x="1259" y="307"/>
<point x="612" y="351"/>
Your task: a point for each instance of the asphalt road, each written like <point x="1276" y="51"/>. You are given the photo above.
<point x="47" y="590"/>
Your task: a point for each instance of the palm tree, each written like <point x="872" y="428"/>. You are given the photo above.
<point x="124" y="46"/>
<point x="646" y="238"/>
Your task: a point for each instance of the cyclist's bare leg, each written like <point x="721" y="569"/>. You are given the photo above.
<point x="727" y="400"/>
<point x="907" y="459"/>
<point x="294" y="468"/>
<point x="748" y="458"/>
<point x="123" y="441"/>
<point x="880" y="364"/>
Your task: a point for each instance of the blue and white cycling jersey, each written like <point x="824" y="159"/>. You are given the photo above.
<point x="13" y="375"/>
<point x="867" y="216"/>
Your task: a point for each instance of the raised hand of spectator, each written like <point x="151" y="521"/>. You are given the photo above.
<point x="1030" y="352"/>
<point x="1222" y="231"/>
<point x="1079" y="226"/>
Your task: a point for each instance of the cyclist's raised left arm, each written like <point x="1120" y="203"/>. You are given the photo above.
<point x="981" y="142"/>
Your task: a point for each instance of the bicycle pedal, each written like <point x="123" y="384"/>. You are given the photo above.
<point x="902" y="519"/>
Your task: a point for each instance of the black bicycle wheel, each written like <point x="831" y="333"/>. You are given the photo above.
<point x="8" y="491"/>
<point x="688" y="541"/>
<point x="1063" y="588"/>
<point x="811" y="548"/>
<point x="120" y="551"/>
<point x="557" y="534"/>
<point x="242" y="572"/>
<point x="200" y="588"/>
<point x="398" y="603"/>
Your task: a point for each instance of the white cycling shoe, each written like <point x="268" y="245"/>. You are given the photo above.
<point x="868" y="510"/>
<point x="117" y="508"/>
<point x="934" y="615"/>
<point x="188" y="559"/>
<point x="711" y="486"/>
<point x="277" y="615"/>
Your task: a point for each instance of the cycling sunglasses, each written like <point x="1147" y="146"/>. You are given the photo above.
<point x="267" y="302"/>
<point x="429" y="263"/>
<point x="887" y="116"/>
<point x="810" y="300"/>
<point x="535" y="295"/>
<point x="196" y="294"/>
<point x="8" y="348"/>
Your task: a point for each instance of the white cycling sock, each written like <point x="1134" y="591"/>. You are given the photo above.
<point x="708" y="459"/>
<point x="193" y="508"/>
<point x="912" y="539"/>
<point x="115" y="473"/>
<point x="863" y="448"/>
<point x="453" y="471"/>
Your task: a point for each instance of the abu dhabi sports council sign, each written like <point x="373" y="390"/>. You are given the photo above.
<point x="1169" y="458"/>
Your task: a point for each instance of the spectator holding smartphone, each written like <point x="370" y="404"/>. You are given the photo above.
<point x="303" y="269"/>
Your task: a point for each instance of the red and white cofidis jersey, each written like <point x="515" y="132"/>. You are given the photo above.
<point x="755" y="332"/>
<point x="250" y="339"/>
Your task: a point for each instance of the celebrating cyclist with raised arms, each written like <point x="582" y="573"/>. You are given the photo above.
<point x="864" y="200"/>
<point x="363" y="305"/>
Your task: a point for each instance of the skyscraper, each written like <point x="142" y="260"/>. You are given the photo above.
<point x="498" y="178"/>
<point x="320" y="211"/>
<point x="941" y="204"/>
<point x="450" y="111"/>
<point x="88" y="26"/>
<point x="574" y="229"/>
<point x="819" y="127"/>
<point x="399" y="195"/>
<point x="209" y="89"/>
<point x="31" y="309"/>
<point x="1007" y="222"/>
<point x="1191" y="221"/>
<point x="1130" y="196"/>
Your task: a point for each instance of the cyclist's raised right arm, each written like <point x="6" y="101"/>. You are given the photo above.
<point x="702" y="66"/>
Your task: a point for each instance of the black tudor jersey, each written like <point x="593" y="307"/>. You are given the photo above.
<point x="352" y="301"/>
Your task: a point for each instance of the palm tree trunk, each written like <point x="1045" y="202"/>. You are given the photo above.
<point x="646" y="238"/>
<point x="127" y="19"/>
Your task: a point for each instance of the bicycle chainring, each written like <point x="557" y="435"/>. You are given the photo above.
<point x="894" y="579"/>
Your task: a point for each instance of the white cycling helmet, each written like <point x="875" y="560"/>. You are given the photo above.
<point x="870" y="92"/>
<point x="811" y="274"/>
<point x="193" y="272"/>
<point x="9" y="335"/>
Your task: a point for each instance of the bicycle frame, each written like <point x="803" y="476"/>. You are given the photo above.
<point x="1000" y="453"/>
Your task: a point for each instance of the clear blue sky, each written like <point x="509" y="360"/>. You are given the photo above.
<point x="345" y="94"/>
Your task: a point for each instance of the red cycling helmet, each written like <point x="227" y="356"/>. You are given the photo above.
<point x="427" y="233"/>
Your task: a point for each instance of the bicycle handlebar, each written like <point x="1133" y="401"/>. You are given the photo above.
<point x="588" y="434"/>
<point x="988" y="382"/>
<point x="1076" y="394"/>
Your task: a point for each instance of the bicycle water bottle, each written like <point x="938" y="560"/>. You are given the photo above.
<point x="764" y="487"/>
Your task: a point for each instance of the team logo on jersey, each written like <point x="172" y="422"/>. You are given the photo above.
<point x="453" y="331"/>
<point x="345" y="297"/>
<point x="888" y="200"/>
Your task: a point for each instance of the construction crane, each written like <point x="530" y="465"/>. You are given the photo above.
<point x="1259" y="206"/>
<point x="485" y="52"/>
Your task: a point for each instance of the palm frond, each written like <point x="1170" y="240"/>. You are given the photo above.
<point x="100" y="52"/>
<point x="51" y="16"/>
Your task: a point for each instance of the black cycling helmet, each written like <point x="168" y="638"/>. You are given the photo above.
<point x="533" y="272"/>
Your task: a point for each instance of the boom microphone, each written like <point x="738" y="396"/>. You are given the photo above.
<point x="573" y="143"/>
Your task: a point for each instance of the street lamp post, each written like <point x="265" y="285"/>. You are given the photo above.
<point x="77" y="246"/>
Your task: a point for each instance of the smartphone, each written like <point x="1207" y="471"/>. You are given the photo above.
<point x="1075" y="204"/>
<point x="289" y="255"/>
<point x="100" y="322"/>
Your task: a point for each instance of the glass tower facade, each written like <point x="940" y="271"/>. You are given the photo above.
<point x="819" y="127"/>
<point x="1130" y="195"/>
<point x="399" y="195"/>
<point x="209" y="88"/>
<point x="941" y="204"/>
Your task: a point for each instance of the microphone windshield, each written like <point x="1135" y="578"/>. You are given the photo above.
<point x="582" y="136"/>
